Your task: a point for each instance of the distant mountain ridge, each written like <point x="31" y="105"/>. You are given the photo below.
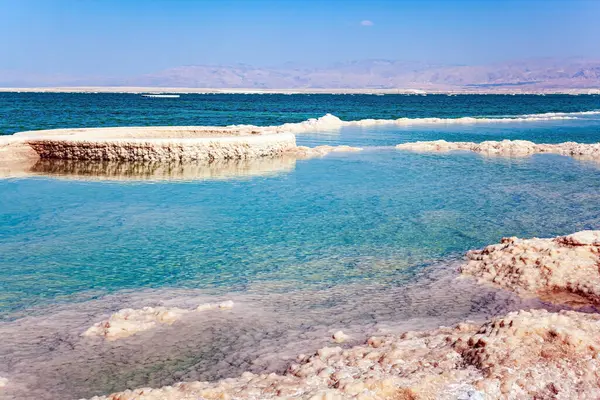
<point x="545" y="73"/>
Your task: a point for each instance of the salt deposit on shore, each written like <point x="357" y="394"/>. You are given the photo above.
<point x="536" y="354"/>
<point x="164" y="149"/>
<point x="561" y="270"/>
<point x="127" y="322"/>
<point x="181" y="144"/>
<point x="524" y="354"/>
<point x="508" y="147"/>
<point x="3" y="382"/>
<point x="164" y="170"/>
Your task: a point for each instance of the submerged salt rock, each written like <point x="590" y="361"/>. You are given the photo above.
<point x="226" y="304"/>
<point x="340" y="337"/>
<point x="3" y="382"/>
<point x="560" y="270"/>
<point x="127" y="322"/>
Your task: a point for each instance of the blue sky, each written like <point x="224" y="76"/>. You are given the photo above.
<point x="128" y="37"/>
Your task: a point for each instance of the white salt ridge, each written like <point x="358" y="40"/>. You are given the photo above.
<point x="508" y="148"/>
<point x="330" y="121"/>
<point x="3" y="382"/>
<point x="128" y="322"/>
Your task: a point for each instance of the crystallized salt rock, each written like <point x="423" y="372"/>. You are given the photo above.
<point x="127" y="322"/>
<point x="340" y="337"/>
<point x="508" y="148"/>
<point x="522" y="355"/>
<point x="563" y="270"/>
<point x="583" y="238"/>
<point x="3" y="382"/>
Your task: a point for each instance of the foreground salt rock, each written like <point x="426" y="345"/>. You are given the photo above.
<point x="523" y="355"/>
<point x="564" y="269"/>
<point x="128" y="322"/>
<point x="3" y="382"/>
<point x="507" y="147"/>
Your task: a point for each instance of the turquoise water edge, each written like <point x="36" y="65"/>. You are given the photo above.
<point x="300" y="242"/>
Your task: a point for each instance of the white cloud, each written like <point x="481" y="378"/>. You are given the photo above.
<point x="366" y="22"/>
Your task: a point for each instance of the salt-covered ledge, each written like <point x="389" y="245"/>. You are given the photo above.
<point x="562" y="270"/>
<point x="128" y="322"/>
<point x="493" y="360"/>
<point x="178" y="143"/>
<point x="163" y="170"/>
<point x="507" y="147"/>
<point x="163" y="149"/>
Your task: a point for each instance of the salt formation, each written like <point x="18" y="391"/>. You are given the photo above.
<point x="562" y="270"/>
<point x="536" y="354"/>
<point x="127" y="322"/>
<point x="164" y="149"/>
<point x="3" y="382"/>
<point x="508" y="147"/>
<point x="309" y="152"/>
<point x="340" y="337"/>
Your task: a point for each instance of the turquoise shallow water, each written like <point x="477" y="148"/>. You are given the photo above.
<point x="310" y="224"/>
<point x="320" y="224"/>
<point x="350" y="240"/>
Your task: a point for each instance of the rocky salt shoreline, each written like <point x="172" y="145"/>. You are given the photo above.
<point x="561" y="270"/>
<point x="521" y="355"/>
<point x="524" y="354"/>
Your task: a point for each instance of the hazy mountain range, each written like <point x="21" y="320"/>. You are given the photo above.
<point x="547" y="73"/>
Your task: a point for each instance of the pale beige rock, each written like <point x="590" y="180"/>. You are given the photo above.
<point x="560" y="270"/>
<point x="508" y="148"/>
<point x="340" y="337"/>
<point x="522" y="355"/>
<point x="128" y="322"/>
<point x="158" y="170"/>
<point x="164" y="149"/>
<point x="3" y="382"/>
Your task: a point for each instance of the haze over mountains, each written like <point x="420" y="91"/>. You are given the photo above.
<point x="534" y="74"/>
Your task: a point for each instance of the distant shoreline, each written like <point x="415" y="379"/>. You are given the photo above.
<point x="185" y="90"/>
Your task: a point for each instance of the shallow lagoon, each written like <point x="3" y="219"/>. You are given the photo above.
<point x="371" y="238"/>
